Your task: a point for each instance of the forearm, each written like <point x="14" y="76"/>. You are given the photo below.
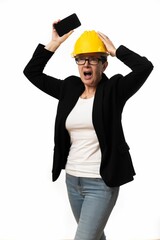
<point x="52" y="46"/>
<point x="34" y="72"/>
<point x="38" y="61"/>
<point x="141" y="68"/>
<point x="34" y="69"/>
<point x="133" y="60"/>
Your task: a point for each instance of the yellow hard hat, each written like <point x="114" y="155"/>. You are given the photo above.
<point x="89" y="42"/>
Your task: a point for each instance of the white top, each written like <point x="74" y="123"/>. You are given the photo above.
<point x="85" y="155"/>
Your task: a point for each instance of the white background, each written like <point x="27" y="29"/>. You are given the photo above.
<point x="31" y="206"/>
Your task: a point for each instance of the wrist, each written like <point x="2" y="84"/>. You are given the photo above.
<point x="52" y="46"/>
<point x="113" y="52"/>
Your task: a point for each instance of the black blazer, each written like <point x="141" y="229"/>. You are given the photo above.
<point x="111" y="95"/>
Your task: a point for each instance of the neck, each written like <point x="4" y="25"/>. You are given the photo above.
<point x="88" y="93"/>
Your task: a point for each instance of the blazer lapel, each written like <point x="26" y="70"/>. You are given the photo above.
<point x="98" y="120"/>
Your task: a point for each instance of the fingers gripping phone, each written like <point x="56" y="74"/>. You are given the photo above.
<point x="67" y="24"/>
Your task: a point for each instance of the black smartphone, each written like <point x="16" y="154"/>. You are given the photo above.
<point x="67" y="24"/>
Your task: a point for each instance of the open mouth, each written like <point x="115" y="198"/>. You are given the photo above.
<point x="87" y="74"/>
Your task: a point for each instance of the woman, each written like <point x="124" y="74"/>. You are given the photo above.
<point x="89" y="140"/>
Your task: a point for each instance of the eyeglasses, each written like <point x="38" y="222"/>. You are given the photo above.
<point x="91" y="60"/>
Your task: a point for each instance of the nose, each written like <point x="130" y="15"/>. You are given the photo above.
<point x="87" y="62"/>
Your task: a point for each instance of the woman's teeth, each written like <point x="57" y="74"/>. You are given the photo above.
<point x="87" y="73"/>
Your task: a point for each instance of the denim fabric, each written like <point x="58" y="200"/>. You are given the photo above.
<point x="92" y="202"/>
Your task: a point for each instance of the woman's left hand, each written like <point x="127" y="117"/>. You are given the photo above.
<point x="111" y="50"/>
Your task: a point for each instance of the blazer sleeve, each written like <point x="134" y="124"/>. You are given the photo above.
<point x="141" y="68"/>
<point x="34" y="72"/>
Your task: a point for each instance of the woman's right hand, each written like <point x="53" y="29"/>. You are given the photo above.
<point x="56" y="40"/>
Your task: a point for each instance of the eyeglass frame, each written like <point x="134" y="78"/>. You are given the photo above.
<point x="103" y="59"/>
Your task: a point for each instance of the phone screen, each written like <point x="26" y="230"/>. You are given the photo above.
<point x="67" y="24"/>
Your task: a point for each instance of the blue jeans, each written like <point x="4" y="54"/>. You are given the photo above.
<point x="92" y="202"/>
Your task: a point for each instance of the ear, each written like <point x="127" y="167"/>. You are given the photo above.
<point x="105" y="66"/>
